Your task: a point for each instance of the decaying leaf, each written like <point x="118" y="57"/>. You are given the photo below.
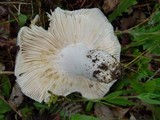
<point x="16" y="96"/>
<point x="8" y="43"/>
<point x="110" y="5"/>
<point x="132" y="117"/>
<point x="136" y="18"/>
<point x="103" y="112"/>
<point x="2" y="67"/>
<point x="3" y="11"/>
<point x="4" y="28"/>
<point x="119" y="112"/>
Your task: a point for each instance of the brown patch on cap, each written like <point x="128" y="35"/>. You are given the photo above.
<point x="103" y="67"/>
<point x="95" y="73"/>
<point x="90" y="85"/>
<point x="116" y="74"/>
<point x="94" y="60"/>
<point x="89" y="56"/>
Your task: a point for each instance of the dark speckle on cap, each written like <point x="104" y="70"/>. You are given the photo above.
<point x="89" y="56"/>
<point x="103" y="66"/>
<point x="116" y="74"/>
<point x="90" y="85"/>
<point x="94" y="60"/>
<point x="95" y="73"/>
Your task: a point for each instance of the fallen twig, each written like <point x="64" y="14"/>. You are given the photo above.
<point x="14" y="3"/>
<point x="18" y="113"/>
<point x="6" y="72"/>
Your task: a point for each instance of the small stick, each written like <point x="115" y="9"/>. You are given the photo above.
<point x="6" y="72"/>
<point x="18" y="113"/>
<point x="14" y="3"/>
<point x="153" y="75"/>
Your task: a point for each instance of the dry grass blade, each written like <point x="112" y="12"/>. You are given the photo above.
<point x="14" y="3"/>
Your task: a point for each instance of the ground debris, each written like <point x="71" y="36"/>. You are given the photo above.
<point x="110" y="5"/>
<point x="103" y="112"/>
<point x="16" y="97"/>
<point x="136" y="18"/>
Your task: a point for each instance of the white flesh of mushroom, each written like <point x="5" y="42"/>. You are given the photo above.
<point x="78" y="53"/>
<point x="80" y="60"/>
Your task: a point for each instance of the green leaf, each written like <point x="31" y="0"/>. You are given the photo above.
<point x="155" y="18"/>
<point x="120" y="101"/>
<point x="6" y="86"/>
<point x="117" y="99"/>
<point x="4" y="107"/>
<point x="122" y="7"/>
<point x="89" y="106"/>
<point x="150" y="98"/>
<point x="2" y="117"/>
<point x="150" y="86"/>
<point x="155" y="111"/>
<point x="40" y="105"/>
<point x="83" y="117"/>
<point x="26" y="112"/>
<point x="22" y="19"/>
<point x="113" y="95"/>
<point x="156" y="82"/>
<point x="137" y="86"/>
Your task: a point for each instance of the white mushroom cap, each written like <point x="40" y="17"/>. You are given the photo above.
<point x="63" y="59"/>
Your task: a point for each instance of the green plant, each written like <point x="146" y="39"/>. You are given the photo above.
<point x="145" y="48"/>
<point x="123" y="6"/>
<point x="5" y="88"/>
<point x="22" y="19"/>
<point x="83" y="117"/>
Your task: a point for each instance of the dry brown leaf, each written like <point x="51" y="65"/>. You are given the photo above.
<point x="133" y="20"/>
<point x="110" y="5"/>
<point x="139" y="16"/>
<point x="16" y="96"/>
<point x="4" y="28"/>
<point x="2" y="67"/>
<point x="8" y="43"/>
<point x="132" y="117"/>
<point x="3" y="11"/>
<point x="120" y="112"/>
<point x="103" y="112"/>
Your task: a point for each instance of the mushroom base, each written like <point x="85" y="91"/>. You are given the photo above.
<point x="97" y="65"/>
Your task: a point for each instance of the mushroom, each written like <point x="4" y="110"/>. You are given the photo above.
<point x="78" y="53"/>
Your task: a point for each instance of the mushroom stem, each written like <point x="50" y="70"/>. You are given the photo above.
<point x="97" y="65"/>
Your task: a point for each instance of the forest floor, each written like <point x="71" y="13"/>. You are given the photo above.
<point x="136" y="95"/>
